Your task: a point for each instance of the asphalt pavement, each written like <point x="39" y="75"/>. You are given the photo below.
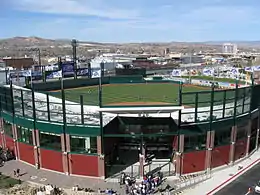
<point x="241" y="185"/>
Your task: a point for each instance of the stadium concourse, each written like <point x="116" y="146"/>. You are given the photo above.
<point x="199" y="132"/>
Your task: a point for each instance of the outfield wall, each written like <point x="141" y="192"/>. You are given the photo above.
<point x="82" y="82"/>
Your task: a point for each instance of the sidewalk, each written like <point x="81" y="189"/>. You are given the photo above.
<point x="44" y="177"/>
<point x="218" y="180"/>
<point x="223" y="177"/>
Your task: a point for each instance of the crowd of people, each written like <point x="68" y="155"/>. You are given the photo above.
<point x="107" y="191"/>
<point x="147" y="186"/>
<point x="48" y="190"/>
<point x="5" y="155"/>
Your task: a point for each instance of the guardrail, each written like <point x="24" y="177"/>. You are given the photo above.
<point x="189" y="181"/>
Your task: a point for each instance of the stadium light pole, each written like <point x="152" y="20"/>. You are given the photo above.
<point x="190" y="65"/>
<point x="34" y="124"/>
<point x="74" y="44"/>
<point x="63" y="114"/>
<point x="101" y="105"/>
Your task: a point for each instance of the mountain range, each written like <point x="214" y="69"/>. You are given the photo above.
<point x="42" y="42"/>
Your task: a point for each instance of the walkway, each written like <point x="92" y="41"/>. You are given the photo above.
<point x="44" y="177"/>
<point x="218" y="180"/>
<point x="29" y="173"/>
<point x="223" y="177"/>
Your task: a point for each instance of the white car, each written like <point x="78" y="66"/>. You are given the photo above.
<point x="257" y="188"/>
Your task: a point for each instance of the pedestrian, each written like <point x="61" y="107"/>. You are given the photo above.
<point x="17" y="172"/>
<point x="14" y="173"/>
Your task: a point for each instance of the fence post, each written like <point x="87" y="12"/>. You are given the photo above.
<point x="82" y="109"/>
<point x="22" y="100"/>
<point x="48" y="107"/>
<point x="196" y="106"/>
<point x="224" y="103"/>
<point x="12" y="99"/>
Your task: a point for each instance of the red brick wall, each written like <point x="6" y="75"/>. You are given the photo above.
<point x="1" y="140"/>
<point x="84" y="165"/>
<point x="51" y="159"/>
<point x="9" y="142"/>
<point x="193" y="161"/>
<point x="220" y="156"/>
<point x="26" y="153"/>
<point x="240" y="149"/>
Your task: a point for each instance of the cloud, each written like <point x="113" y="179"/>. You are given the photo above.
<point x="74" y="8"/>
<point x="135" y="20"/>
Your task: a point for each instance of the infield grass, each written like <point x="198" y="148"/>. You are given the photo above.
<point x="130" y="93"/>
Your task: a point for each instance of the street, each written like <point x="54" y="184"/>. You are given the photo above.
<point x="241" y="185"/>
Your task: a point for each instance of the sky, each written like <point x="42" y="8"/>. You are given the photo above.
<point x="132" y="20"/>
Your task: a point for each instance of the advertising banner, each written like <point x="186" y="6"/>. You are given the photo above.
<point x="53" y="74"/>
<point x="82" y="72"/>
<point x="208" y="72"/>
<point x="20" y="81"/>
<point x="36" y="75"/>
<point x="96" y="73"/>
<point x="249" y="69"/>
<point x="176" y="72"/>
<point x="256" y="68"/>
<point x="224" y="84"/>
<point x="67" y="69"/>
<point x="252" y="68"/>
<point x="183" y="80"/>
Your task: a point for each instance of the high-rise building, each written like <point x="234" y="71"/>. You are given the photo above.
<point x="229" y="48"/>
<point x="166" y="51"/>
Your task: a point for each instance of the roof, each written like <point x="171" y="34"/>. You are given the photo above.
<point x="141" y="110"/>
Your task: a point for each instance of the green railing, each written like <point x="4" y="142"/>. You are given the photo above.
<point x="42" y="111"/>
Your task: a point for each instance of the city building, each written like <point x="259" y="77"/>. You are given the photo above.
<point x="229" y="48"/>
<point x="166" y="51"/>
<point x="19" y="63"/>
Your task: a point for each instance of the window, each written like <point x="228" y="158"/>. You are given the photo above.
<point x="195" y="142"/>
<point x="222" y="137"/>
<point x="8" y="128"/>
<point x="50" y="141"/>
<point x="242" y="131"/>
<point x="254" y="125"/>
<point x="24" y="135"/>
<point x="83" y="144"/>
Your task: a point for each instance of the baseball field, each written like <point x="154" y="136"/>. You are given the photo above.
<point x="131" y="94"/>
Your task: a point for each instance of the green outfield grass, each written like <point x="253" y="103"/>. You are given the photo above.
<point x="111" y="94"/>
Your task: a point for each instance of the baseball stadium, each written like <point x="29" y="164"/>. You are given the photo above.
<point x="100" y="127"/>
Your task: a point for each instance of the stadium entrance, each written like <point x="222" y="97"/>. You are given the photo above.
<point x="126" y="138"/>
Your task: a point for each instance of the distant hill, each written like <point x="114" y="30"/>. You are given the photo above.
<point x="42" y="42"/>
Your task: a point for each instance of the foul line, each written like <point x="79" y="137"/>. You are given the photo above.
<point x="225" y="182"/>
